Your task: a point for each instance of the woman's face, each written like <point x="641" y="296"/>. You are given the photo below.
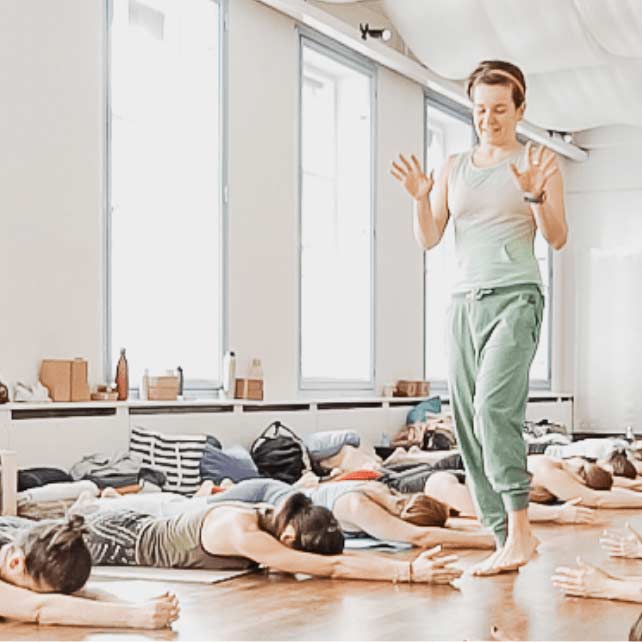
<point x="494" y="114"/>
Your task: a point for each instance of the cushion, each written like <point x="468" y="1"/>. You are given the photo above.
<point x="177" y="456"/>
<point x="325" y="444"/>
<point x="233" y="463"/>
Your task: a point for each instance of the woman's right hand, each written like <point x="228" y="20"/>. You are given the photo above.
<point x="412" y="177"/>
<point x="157" y="613"/>
<point x="426" y="568"/>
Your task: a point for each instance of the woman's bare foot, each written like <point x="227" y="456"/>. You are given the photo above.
<point x="109" y="492"/>
<point x="515" y="553"/>
<point x="205" y="489"/>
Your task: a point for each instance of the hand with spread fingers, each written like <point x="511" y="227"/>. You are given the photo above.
<point x="585" y="581"/>
<point x="571" y="513"/>
<point x="540" y="167"/>
<point x="618" y="545"/>
<point x="412" y="177"/>
<point x="434" y="570"/>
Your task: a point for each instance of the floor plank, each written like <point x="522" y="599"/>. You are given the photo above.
<point x="277" y="607"/>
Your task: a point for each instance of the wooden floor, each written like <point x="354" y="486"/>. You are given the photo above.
<point x="260" y="607"/>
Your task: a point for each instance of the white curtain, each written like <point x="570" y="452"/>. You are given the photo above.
<point x="609" y="342"/>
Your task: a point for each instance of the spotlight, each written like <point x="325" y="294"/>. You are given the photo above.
<point x="381" y="34"/>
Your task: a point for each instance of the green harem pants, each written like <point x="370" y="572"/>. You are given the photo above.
<point x="492" y="340"/>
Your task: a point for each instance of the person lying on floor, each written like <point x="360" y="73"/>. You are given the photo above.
<point x="371" y="508"/>
<point x="296" y="537"/>
<point x="42" y="564"/>
<point x="565" y="480"/>
<point x="359" y="506"/>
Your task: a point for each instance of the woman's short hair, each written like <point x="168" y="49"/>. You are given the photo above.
<point x="499" y="72"/>
<point x="423" y="510"/>
<point x="621" y="465"/>
<point x="316" y="530"/>
<point x="596" y="477"/>
<point x="56" y="554"/>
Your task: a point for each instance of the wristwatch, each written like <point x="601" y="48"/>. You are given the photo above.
<point x="529" y="197"/>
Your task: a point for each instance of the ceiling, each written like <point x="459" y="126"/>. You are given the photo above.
<point x="582" y="58"/>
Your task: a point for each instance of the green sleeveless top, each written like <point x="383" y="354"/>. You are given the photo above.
<point x="494" y="227"/>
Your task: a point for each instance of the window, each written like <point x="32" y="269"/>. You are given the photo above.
<point x="165" y="168"/>
<point x="449" y="130"/>
<point x="336" y="219"/>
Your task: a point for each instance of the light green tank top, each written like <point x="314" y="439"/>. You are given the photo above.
<point x="494" y="227"/>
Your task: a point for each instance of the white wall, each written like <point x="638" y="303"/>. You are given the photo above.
<point x="51" y="195"/>
<point x="51" y="155"/>
<point x="604" y="203"/>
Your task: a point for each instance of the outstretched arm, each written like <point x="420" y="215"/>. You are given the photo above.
<point x="370" y="517"/>
<point x="267" y="550"/>
<point x="568" y="513"/>
<point x="53" y="608"/>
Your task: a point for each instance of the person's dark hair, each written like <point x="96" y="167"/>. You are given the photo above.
<point x="635" y="632"/>
<point x="56" y="553"/>
<point x="315" y="527"/>
<point x="596" y="477"/>
<point x="499" y="72"/>
<point x="622" y="467"/>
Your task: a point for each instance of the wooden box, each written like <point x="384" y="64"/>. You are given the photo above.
<point x="65" y="379"/>
<point x="8" y="483"/>
<point x="249" y="389"/>
<point x="412" y="389"/>
<point x="163" y="388"/>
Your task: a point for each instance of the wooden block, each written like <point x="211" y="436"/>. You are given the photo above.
<point x="55" y="375"/>
<point x="162" y="394"/>
<point x="423" y="389"/>
<point x="406" y="389"/>
<point x="8" y="483"/>
<point x="249" y="389"/>
<point x="79" y="386"/>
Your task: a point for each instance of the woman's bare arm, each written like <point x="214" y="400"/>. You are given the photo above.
<point x="430" y="214"/>
<point x="53" y="608"/>
<point x="261" y="547"/>
<point x="358" y="509"/>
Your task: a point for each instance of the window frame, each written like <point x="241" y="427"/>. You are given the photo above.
<point x="451" y="108"/>
<point x="197" y="387"/>
<point x="345" y="56"/>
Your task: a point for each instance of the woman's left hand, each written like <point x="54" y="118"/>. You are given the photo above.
<point x="540" y="167"/>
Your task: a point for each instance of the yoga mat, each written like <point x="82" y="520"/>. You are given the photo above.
<point x="371" y="544"/>
<point x="199" y="576"/>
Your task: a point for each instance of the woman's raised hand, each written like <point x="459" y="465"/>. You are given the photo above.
<point x="412" y="177"/>
<point x="540" y="167"/>
<point x="434" y="570"/>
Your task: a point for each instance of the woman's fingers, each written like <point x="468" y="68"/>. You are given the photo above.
<point x="516" y="173"/>
<point x="549" y="173"/>
<point x="397" y="175"/>
<point x="404" y="160"/>
<point x="400" y="169"/>
<point x="416" y="163"/>
<point x="635" y="533"/>
<point x="431" y="552"/>
<point x="550" y="159"/>
<point x="539" y="155"/>
<point x="574" y="501"/>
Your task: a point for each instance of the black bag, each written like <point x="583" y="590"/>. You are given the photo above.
<point x="281" y="454"/>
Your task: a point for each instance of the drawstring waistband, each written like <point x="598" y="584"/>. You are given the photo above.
<point x="477" y="294"/>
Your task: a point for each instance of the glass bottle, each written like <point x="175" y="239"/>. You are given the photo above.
<point x="122" y="376"/>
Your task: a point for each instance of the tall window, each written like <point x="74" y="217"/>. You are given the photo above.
<point x="449" y="130"/>
<point x="336" y="287"/>
<point x="164" y="197"/>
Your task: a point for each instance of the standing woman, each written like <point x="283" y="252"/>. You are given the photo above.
<point x="498" y="194"/>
